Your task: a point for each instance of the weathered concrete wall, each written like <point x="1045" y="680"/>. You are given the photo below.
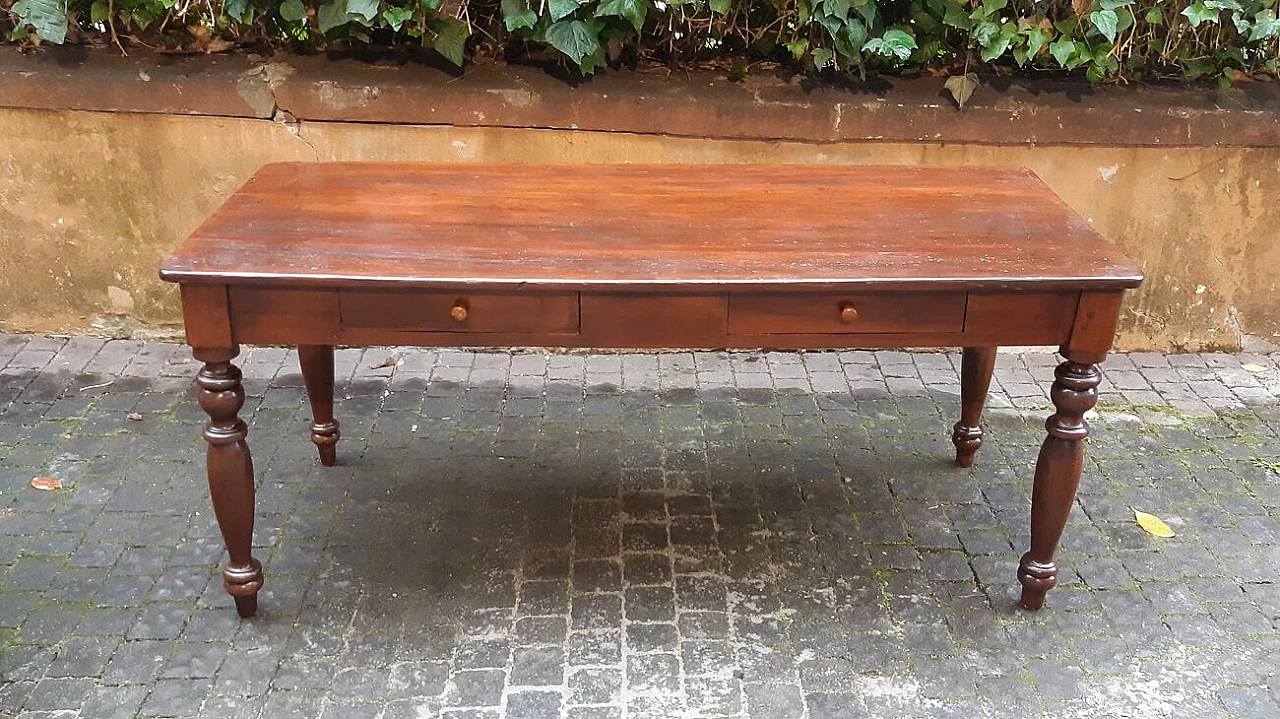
<point x="90" y="202"/>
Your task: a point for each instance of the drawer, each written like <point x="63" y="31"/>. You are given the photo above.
<point x="845" y="313"/>
<point x="433" y="311"/>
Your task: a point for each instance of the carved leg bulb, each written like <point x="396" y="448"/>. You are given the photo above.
<point x="317" y="374"/>
<point x="1074" y="392"/>
<point x="976" y="366"/>
<point x="230" y="470"/>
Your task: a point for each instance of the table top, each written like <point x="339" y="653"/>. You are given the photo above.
<point x="649" y="226"/>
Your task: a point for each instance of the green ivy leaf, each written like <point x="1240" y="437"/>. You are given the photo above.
<point x="837" y="8"/>
<point x="894" y="43"/>
<point x="1000" y="43"/>
<point x="633" y="10"/>
<point x="1037" y="38"/>
<point x="1265" y="26"/>
<point x="1062" y="50"/>
<point x="1154" y="16"/>
<point x="99" y="11"/>
<point x="293" y="11"/>
<point x="592" y="62"/>
<point x="1198" y="68"/>
<point x="1223" y="5"/>
<point x="955" y="16"/>
<point x="517" y="14"/>
<point x="236" y="10"/>
<point x="573" y="38"/>
<point x="46" y="17"/>
<point x="1114" y="4"/>
<point x="721" y="6"/>
<point x="563" y="8"/>
<point x="332" y="14"/>
<point x="1105" y="21"/>
<point x="822" y="57"/>
<point x="367" y="9"/>
<point x="866" y="9"/>
<point x="1198" y="13"/>
<point x="397" y="16"/>
<point x="798" y="48"/>
<point x="985" y="33"/>
<point x="451" y="40"/>
<point x="851" y="40"/>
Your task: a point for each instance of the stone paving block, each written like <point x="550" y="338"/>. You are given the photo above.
<point x="711" y="534"/>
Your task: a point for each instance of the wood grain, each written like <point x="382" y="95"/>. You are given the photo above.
<point x="808" y="313"/>
<point x="588" y="226"/>
<point x="555" y="312"/>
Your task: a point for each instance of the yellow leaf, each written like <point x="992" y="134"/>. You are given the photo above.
<point x="1253" y="367"/>
<point x="961" y="87"/>
<point x="1152" y="524"/>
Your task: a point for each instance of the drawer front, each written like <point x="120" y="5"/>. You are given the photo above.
<point x="421" y="311"/>
<point x="852" y="313"/>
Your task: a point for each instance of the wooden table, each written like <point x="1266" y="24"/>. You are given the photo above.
<point x="621" y="256"/>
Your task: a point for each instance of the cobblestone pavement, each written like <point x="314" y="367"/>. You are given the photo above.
<point x="640" y="535"/>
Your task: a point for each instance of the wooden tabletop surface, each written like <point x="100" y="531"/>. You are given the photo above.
<point x="601" y="226"/>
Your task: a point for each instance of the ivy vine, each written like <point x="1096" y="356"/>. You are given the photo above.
<point x="1234" y="40"/>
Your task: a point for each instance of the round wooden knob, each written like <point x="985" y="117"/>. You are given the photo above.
<point x="459" y="311"/>
<point x="848" y="312"/>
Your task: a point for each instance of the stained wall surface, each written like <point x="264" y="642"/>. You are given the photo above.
<point x="90" y="203"/>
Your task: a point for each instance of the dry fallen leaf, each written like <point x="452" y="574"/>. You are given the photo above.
<point x="1251" y="367"/>
<point x="134" y="416"/>
<point x="1152" y="524"/>
<point x="961" y="87"/>
<point x="388" y="362"/>
<point x="47" y="484"/>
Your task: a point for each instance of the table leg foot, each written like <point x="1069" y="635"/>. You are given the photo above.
<point x="317" y="374"/>
<point x="1037" y="579"/>
<point x="246" y="607"/>
<point x="976" y="366"/>
<point x="967" y="441"/>
<point x="1074" y="392"/>
<point x="243" y="583"/>
<point x="230" y="470"/>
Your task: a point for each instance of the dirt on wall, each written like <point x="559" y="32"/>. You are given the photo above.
<point x="90" y="202"/>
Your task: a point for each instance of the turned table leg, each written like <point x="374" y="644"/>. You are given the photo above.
<point x="1074" y="392"/>
<point x="230" y="470"/>
<point x="976" y="366"/>
<point x="317" y="375"/>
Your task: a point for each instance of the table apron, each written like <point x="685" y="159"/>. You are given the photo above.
<point x="732" y="318"/>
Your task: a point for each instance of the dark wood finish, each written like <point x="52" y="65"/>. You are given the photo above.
<point x="1033" y="318"/>
<point x="284" y="315"/>
<point x="230" y="469"/>
<point x="878" y="313"/>
<point x="1094" y="326"/>
<point x="599" y="226"/>
<point x="647" y="257"/>
<point x="317" y="374"/>
<point x="976" y="366"/>
<point x="636" y="320"/>
<point x="1074" y="392"/>
<point x="209" y="313"/>
<point x="460" y="311"/>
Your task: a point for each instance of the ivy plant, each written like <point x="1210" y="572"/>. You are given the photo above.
<point x="1233" y="40"/>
